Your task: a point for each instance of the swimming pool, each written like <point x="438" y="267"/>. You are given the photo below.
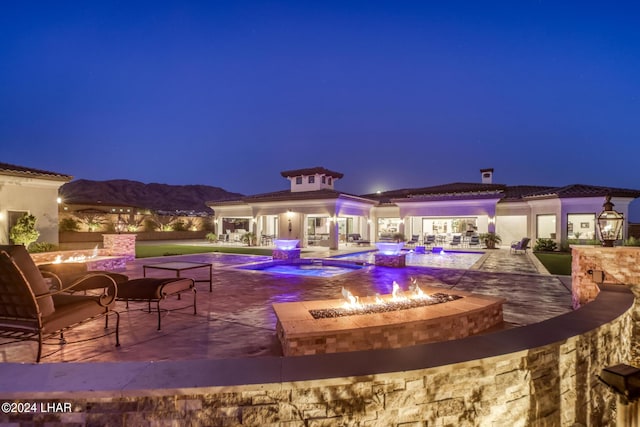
<point x="306" y="267"/>
<point x="445" y="259"/>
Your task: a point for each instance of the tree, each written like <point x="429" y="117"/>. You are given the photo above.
<point x="24" y="232"/>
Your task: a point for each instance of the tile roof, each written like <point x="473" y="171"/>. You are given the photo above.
<point x="456" y="188"/>
<point x="311" y="171"/>
<point x="582" y="190"/>
<point x="14" y="170"/>
<point x="285" y="195"/>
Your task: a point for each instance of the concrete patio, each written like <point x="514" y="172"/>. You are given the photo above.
<point x="236" y="320"/>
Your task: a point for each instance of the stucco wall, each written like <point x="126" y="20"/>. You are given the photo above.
<point x="32" y="195"/>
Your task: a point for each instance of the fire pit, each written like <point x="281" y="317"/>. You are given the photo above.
<point x="415" y="317"/>
<point x="94" y="258"/>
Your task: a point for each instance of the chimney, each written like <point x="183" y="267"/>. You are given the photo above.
<point x="487" y="176"/>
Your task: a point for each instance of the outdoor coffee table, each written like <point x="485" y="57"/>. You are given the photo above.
<point x="179" y="267"/>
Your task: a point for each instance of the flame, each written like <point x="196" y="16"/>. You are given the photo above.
<point x="396" y="293"/>
<point x="80" y="258"/>
<point x="351" y="300"/>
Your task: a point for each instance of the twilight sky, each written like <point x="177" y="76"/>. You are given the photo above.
<point x="392" y="94"/>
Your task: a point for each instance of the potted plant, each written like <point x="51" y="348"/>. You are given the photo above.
<point x="249" y="238"/>
<point x="398" y="237"/>
<point x="490" y="239"/>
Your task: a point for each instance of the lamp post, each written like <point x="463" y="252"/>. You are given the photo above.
<point x="609" y="223"/>
<point x="120" y="225"/>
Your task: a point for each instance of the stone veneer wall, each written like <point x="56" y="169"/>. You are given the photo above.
<point x="455" y="325"/>
<point x="621" y="265"/>
<point x="101" y="261"/>
<point x="120" y="245"/>
<point x="501" y="379"/>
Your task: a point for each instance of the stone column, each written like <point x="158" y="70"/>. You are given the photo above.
<point x="593" y="264"/>
<point x="123" y="245"/>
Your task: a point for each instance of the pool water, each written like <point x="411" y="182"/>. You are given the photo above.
<point x="309" y="268"/>
<point x="459" y="260"/>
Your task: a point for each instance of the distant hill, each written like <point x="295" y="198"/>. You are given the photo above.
<point x="162" y="197"/>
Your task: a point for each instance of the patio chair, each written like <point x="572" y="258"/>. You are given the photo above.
<point x="414" y="239"/>
<point x="522" y="245"/>
<point x="31" y="311"/>
<point x="456" y="240"/>
<point x="474" y="241"/>
<point x="429" y="240"/>
<point x="357" y="239"/>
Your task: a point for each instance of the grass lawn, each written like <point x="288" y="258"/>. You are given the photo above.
<point x="146" y="251"/>
<point x="556" y="262"/>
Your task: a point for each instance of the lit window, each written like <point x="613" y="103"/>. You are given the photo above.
<point x="312" y="179"/>
<point x="546" y="226"/>
<point x="298" y="180"/>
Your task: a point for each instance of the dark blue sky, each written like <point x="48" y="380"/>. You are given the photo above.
<point x="393" y="94"/>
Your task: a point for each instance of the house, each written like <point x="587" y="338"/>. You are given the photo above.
<point x="314" y="212"/>
<point x="32" y="191"/>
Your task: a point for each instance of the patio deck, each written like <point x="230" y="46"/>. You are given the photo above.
<point x="237" y="320"/>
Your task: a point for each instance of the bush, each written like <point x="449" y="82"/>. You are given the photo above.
<point x="42" y="247"/>
<point x="150" y="225"/>
<point x="632" y="241"/>
<point x="545" y="245"/>
<point x="179" y="225"/>
<point x="24" y="232"/>
<point x="211" y="237"/>
<point x="69" y="224"/>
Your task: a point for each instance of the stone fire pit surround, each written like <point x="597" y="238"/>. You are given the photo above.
<point x="300" y="334"/>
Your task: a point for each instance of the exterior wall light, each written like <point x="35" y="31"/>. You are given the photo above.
<point x="609" y="223"/>
<point x="120" y="225"/>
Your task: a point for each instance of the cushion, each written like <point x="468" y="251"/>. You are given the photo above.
<point x="151" y="288"/>
<point x="30" y="271"/>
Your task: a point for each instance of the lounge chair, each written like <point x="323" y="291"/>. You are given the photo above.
<point x="414" y="239"/>
<point x="429" y="240"/>
<point x="31" y="311"/>
<point x="474" y="241"/>
<point x="357" y="239"/>
<point x="522" y="245"/>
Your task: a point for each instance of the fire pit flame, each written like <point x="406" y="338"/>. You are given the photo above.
<point x="352" y="301"/>
<point x="415" y="297"/>
<point x="80" y="258"/>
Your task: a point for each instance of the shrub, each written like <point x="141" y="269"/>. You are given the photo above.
<point x="545" y="245"/>
<point x="632" y="241"/>
<point x="24" y="232"/>
<point x="211" y="237"/>
<point x="69" y="224"/>
<point x="42" y="247"/>
<point x="179" y="225"/>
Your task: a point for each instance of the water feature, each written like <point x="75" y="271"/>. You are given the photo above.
<point x="442" y="259"/>
<point x="305" y="267"/>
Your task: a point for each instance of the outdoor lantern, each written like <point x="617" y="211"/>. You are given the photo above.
<point x="609" y="223"/>
<point x="120" y="225"/>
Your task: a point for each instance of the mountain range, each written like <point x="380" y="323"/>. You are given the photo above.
<point x="159" y="197"/>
